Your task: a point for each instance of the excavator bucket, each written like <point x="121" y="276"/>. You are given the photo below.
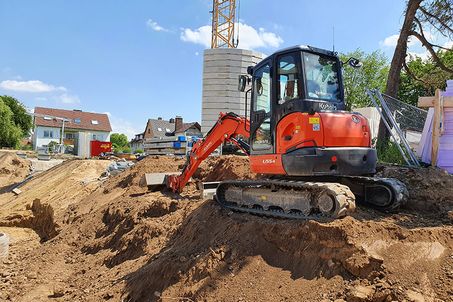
<point x="156" y="181"/>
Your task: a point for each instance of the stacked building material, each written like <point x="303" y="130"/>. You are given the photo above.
<point x="170" y="145"/>
<point x="445" y="153"/>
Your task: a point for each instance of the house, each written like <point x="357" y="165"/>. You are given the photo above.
<point x="158" y="128"/>
<point x="74" y="128"/>
<point x="163" y="137"/>
<point x="137" y="142"/>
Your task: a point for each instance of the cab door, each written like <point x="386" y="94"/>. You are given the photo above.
<point x="261" y="137"/>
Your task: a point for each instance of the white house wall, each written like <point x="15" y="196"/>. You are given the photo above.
<point x="100" y="136"/>
<point x="39" y="138"/>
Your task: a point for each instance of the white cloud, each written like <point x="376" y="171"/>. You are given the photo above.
<point x="423" y="55"/>
<point x="392" y="40"/>
<point x="202" y="35"/>
<point x="154" y="26"/>
<point x="34" y="86"/>
<point x="66" y="98"/>
<point x="120" y="125"/>
<point x="249" y="37"/>
<point x="448" y="44"/>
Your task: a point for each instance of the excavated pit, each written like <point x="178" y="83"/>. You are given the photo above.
<point x="121" y="242"/>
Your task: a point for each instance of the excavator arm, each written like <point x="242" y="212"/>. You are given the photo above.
<point x="227" y="129"/>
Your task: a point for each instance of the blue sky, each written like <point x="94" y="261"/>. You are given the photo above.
<point x="143" y="59"/>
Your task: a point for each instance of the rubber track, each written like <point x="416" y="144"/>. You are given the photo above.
<point x="342" y="193"/>
<point x="400" y="192"/>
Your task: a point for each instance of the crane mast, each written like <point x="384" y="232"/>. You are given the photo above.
<point x="223" y="19"/>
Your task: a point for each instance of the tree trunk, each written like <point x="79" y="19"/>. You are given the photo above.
<point x="399" y="56"/>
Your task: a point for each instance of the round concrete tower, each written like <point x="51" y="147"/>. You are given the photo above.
<point x="221" y="68"/>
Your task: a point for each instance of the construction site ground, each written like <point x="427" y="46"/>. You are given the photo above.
<point x="75" y="238"/>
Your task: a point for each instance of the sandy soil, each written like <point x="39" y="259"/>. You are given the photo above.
<point x="119" y="242"/>
<point x="50" y="194"/>
<point x="13" y="169"/>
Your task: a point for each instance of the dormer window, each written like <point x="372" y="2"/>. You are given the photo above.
<point x="77" y="120"/>
<point x="94" y="122"/>
<point x="47" y="118"/>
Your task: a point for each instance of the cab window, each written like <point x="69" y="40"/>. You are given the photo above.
<point x="288" y="79"/>
<point x="262" y="138"/>
<point x="321" y="74"/>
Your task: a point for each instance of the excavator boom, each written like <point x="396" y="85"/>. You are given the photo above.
<point x="227" y="128"/>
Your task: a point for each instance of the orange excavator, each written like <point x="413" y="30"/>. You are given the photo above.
<point x="317" y="157"/>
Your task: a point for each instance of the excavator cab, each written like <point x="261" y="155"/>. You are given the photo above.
<point x="298" y="125"/>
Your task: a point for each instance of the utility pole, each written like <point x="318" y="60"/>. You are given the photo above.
<point x="223" y="18"/>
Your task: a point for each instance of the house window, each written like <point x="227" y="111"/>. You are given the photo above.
<point x="94" y="122"/>
<point x="48" y="134"/>
<point x="47" y="118"/>
<point x="95" y="137"/>
<point x="77" y="120"/>
<point x="70" y="135"/>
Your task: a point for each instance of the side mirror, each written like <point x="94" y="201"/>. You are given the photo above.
<point x="243" y="80"/>
<point x="353" y="62"/>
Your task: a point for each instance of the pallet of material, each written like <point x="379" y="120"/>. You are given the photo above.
<point x="165" y="139"/>
<point x="176" y="145"/>
<point x="158" y="145"/>
<point x="157" y="152"/>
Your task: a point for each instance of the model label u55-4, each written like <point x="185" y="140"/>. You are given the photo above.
<point x="269" y="161"/>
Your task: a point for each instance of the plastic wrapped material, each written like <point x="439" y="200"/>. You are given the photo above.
<point x="4" y="245"/>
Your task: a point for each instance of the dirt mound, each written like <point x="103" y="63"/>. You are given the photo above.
<point x="150" y="164"/>
<point x="429" y="188"/>
<point x="247" y="258"/>
<point x="224" y="168"/>
<point x="13" y="169"/>
<point x="41" y="220"/>
<point x="54" y="190"/>
<point x="121" y="242"/>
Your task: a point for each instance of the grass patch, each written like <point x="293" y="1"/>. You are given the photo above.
<point x="390" y="154"/>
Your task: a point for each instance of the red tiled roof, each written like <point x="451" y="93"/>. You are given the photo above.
<point x="186" y="126"/>
<point x="72" y="115"/>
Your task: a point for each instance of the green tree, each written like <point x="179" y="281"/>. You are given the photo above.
<point x="119" y="141"/>
<point x="10" y="134"/>
<point x="423" y="77"/>
<point x="420" y="15"/>
<point x="373" y="74"/>
<point x="20" y="116"/>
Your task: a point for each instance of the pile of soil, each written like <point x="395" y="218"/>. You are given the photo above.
<point x="123" y="243"/>
<point x="224" y="168"/>
<point x="13" y="169"/>
<point x="429" y="188"/>
<point x="47" y="196"/>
